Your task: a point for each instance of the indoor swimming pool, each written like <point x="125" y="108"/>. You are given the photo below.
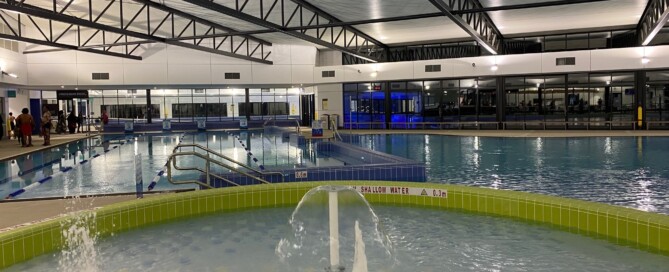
<point x="83" y="167"/>
<point x="626" y="171"/>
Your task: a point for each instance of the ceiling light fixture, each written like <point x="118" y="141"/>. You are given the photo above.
<point x="374" y="74"/>
<point x="645" y="60"/>
<point x="608" y="82"/>
<point x="494" y="67"/>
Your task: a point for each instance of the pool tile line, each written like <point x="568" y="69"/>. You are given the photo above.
<point x="64" y="170"/>
<point x="162" y="171"/>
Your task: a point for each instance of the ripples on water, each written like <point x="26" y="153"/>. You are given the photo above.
<point x="627" y="171"/>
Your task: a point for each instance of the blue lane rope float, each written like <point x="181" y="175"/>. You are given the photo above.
<point x="162" y="171"/>
<point x="63" y="170"/>
<point x="248" y="151"/>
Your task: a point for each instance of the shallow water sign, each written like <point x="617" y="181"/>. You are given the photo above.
<point x="398" y="190"/>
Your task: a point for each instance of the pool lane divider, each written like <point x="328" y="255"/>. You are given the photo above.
<point x="248" y="151"/>
<point x="63" y="170"/>
<point x="162" y="171"/>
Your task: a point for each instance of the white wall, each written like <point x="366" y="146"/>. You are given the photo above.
<point x="540" y="63"/>
<point x="334" y="94"/>
<point x="16" y="104"/>
<point x="170" y="65"/>
<point x="296" y="64"/>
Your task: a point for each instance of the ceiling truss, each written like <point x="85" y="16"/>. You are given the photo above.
<point x="653" y="20"/>
<point x="478" y="25"/>
<point x="124" y="36"/>
<point x="282" y="14"/>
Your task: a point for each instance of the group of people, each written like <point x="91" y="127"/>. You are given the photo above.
<point x="22" y="126"/>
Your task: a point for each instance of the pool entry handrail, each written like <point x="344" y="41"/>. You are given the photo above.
<point x="335" y="130"/>
<point x="271" y="119"/>
<point x="257" y="175"/>
<point x="297" y="126"/>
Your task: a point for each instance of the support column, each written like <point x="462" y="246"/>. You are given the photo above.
<point x="640" y="99"/>
<point x="247" y="102"/>
<point x="501" y="102"/>
<point x="387" y="104"/>
<point x="149" y="109"/>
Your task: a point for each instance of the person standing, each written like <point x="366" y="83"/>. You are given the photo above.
<point x="72" y="122"/>
<point x="11" y="125"/>
<point x="27" y="124"/>
<point x="80" y="122"/>
<point x="60" y="125"/>
<point x="46" y="125"/>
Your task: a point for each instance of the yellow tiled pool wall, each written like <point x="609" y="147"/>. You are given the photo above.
<point x="638" y="229"/>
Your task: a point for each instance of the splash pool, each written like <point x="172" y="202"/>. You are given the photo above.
<point x="424" y="240"/>
<point x="428" y="233"/>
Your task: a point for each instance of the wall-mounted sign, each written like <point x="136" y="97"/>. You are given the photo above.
<point x="71" y="94"/>
<point x="11" y="93"/>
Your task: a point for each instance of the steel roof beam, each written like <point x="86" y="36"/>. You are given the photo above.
<point x="653" y="20"/>
<point x="30" y="10"/>
<point x="197" y="19"/>
<point x="68" y="47"/>
<point x="378" y="20"/>
<point x="478" y="25"/>
<point x="355" y="43"/>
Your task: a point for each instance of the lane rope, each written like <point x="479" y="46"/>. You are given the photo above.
<point x="162" y="171"/>
<point x="63" y="170"/>
<point x="248" y="151"/>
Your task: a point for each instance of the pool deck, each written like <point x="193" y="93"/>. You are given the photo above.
<point x="16" y="213"/>
<point x="519" y="133"/>
<point x="11" y="148"/>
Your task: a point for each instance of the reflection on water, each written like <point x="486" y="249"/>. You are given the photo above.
<point x="628" y="171"/>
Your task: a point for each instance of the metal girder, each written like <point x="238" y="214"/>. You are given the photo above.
<point x="197" y="19"/>
<point x="68" y="47"/>
<point x="478" y="25"/>
<point x="149" y="36"/>
<point x="17" y="33"/>
<point x="653" y="20"/>
<point x="344" y="39"/>
<point x="333" y="19"/>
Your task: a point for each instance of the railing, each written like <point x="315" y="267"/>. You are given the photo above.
<point x="271" y="119"/>
<point x="297" y="126"/>
<point x="172" y="163"/>
<point x="610" y="124"/>
<point x="335" y="130"/>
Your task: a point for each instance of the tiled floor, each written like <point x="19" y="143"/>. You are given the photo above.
<point x="15" y="213"/>
<point x="11" y="148"/>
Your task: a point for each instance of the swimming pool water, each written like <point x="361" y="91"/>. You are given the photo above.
<point x="113" y="171"/>
<point x="627" y="171"/>
<point x="424" y="240"/>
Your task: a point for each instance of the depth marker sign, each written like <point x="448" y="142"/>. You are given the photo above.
<point x="398" y="190"/>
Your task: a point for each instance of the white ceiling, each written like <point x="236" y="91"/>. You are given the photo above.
<point x="603" y="14"/>
<point x="577" y="16"/>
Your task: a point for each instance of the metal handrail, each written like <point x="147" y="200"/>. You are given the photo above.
<point x="230" y="160"/>
<point x="207" y="172"/>
<point x="335" y="130"/>
<point x="268" y="120"/>
<point x="297" y="126"/>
